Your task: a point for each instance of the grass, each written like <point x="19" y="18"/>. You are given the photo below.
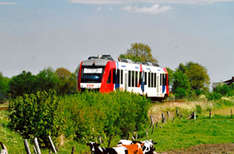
<point x="175" y="134"/>
<point x="185" y="133"/>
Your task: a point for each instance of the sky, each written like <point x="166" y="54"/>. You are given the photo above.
<point x="35" y="35"/>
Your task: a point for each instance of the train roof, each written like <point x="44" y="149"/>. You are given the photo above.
<point x="125" y="64"/>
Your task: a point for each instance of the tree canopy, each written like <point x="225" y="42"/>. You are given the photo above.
<point x="4" y="86"/>
<point x="139" y="52"/>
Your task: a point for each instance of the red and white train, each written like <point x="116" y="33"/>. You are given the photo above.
<point x="104" y="74"/>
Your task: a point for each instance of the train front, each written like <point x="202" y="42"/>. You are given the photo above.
<point x="90" y="74"/>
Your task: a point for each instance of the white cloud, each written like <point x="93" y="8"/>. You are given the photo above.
<point x="7" y="3"/>
<point x="153" y="10"/>
<point x="102" y="2"/>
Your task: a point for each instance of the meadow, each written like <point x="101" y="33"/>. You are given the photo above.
<point x="176" y="133"/>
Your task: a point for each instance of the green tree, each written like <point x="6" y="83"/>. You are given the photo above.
<point x="170" y="76"/>
<point x="181" y="85"/>
<point x="47" y="79"/>
<point x="23" y="83"/>
<point x="198" y="77"/>
<point x="67" y="81"/>
<point x="4" y="87"/>
<point x="139" y="52"/>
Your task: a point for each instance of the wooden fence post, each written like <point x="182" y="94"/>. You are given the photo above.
<point x="26" y="146"/>
<point x="73" y="150"/>
<point x="35" y="150"/>
<point x="37" y="146"/>
<point x="151" y="120"/>
<point x="231" y="113"/>
<point x="4" y="149"/>
<point x="52" y="144"/>
<point x="163" y="118"/>
<point x="177" y="112"/>
<point x="168" y="115"/>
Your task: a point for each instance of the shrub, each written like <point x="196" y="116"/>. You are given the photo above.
<point x="37" y="115"/>
<point x="84" y="116"/>
<point x="214" y="96"/>
<point x="198" y="109"/>
<point x="110" y="115"/>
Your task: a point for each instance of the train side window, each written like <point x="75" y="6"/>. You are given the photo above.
<point x="160" y="79"/>
<point x="140" y="78"/>
<point x="114" y="75"/>
<point x="145" y="78"/>
<point x="118" y="76"/>
<point x="121" y="72"/>
<point x="109" y="77"/>
<point x="164" y="79"/>
<point x="155" y="79"/>
<point x="136" y="78"/>
<point x="152" y="77"/>
<point x="129" y="78"/>
<point x="149" y="79"/>
<point x="133" y="78"/>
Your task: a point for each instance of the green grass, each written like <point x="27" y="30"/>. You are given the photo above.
<point x="185" y="133"/>
<point x="177" y="134"/>
<point x="11" y="139"/>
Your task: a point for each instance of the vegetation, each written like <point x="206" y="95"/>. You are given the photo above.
<point x="139" y="52"/>
<point x="4" y="87"/>
<point x="189" y="80"/>
<point x="185" y="133"/>
<point x="220" y="91"/>
<point x="85" y="117"/>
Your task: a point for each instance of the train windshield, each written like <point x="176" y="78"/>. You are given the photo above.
<point x="92" y="74"/>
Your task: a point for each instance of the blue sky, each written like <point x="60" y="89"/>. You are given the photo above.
<point x="38" y="34"/>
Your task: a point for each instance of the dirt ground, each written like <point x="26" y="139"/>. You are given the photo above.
<point x="205" y="149"/>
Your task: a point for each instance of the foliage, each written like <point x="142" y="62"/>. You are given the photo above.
<point x="190" y="80"/>
<point x="62" y="81"/>
<point x="23" y="83"/>
<point x="37" y="115"/>
<point x="87" y="116"/>
<point x="170" y="76"/>
<point x="220" y="91"/>
<point x="67" y="81"/>
<point x="47" y="80"/>
<point x="139" y="52"/>
<point x="4" y="87"/>
<point x="181" y="86"/>
<point x="198" y="76"/>
<point x="225" y="90"/>
<point x="107" y="116"/>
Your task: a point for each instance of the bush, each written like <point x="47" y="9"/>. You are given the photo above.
<point x="107" y="116"/>
<point x="214" y="96"/>
<point x="37" y="115"/>
<point x="85" y="117"/>
<point x="198" y="109"/>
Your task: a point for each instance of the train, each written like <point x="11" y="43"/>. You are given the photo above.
<point x="104" y="74"/>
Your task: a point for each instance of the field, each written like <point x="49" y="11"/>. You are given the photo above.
<point x="177" y="135"/>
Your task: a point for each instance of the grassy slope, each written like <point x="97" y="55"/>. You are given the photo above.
<point x="186" y="133"/>
<point x="176" y="134"/>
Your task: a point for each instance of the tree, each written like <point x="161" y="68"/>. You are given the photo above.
<point x="198" y="77"/>
<point x="4" y="87"/>
<point x="47" y="79"/>
<point x="67" y="81"/>
<point x="22" y="84"/>
<point x="181" y="85"/>
<point x="170" y="76"/>
<point x="139" y="52"/>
